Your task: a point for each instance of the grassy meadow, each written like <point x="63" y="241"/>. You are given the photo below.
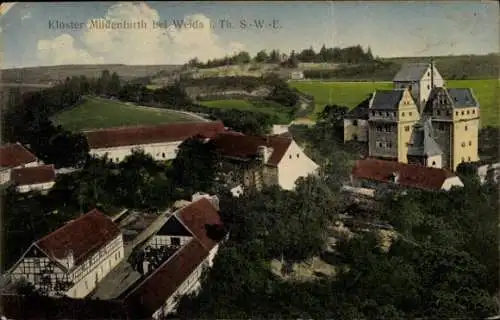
<point x="99" y="113"/>
<point x="351" y="93"/>
<point x="267" y="107"/>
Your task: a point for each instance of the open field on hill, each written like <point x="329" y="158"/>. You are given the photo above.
<point x="351" y="93"/>
<point x="101" y="113"/>
<point x="267" y="107"/>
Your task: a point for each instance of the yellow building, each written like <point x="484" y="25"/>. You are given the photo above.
<point x="418" y="121"/>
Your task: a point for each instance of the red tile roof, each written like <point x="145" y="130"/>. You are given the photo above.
<point x="410" y="175"/>
<point x="139" y="135"/>
<point x="157" y="288"/>
<point x="243" y="146"/>
<point x="33" y="175"/>
<point x="14" y="155"/>
<point x="82" y="236"/>
<point x="196" y="216"/>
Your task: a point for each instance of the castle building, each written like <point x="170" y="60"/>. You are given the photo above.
<point x="419" y="121"/>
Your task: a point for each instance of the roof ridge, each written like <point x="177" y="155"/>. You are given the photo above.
<point x="68" y="223"/>
<point x="155" y="271"/>
<point x="151" y="126"/>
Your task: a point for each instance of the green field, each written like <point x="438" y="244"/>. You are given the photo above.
<point x="267" y="107"/>
<point x="351" y="93"/>
<point x="97" y="113"/>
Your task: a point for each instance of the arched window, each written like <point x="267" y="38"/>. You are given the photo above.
<point x="163" y="154"/>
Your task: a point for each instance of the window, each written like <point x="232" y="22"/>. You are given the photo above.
<point x="433" y="163"/>
<point x="456" y="113"/>
<point x="355" y="122"/>
<point x="468" y="112"/>
<point x="466" y="128"/>
<point x="409" y="113"/>
<point x="379" y="129"/>
<point x="463" y="159"/>
<point x="389" y="144"/>
<point x="297" y="155"/>
<point x="428" y="73"/>
<point x="448" y="113"/>
<point x="379" y="144"/>
<point x="407" y="128"/>
<point x="402" y="114"/>
<point x="441" y="127"/>
<point x="380" y="114"/>
<point x="428" y="86"/>
<point x="473" y="111"/>
<point x="117" y="160"/>
<point x="470" y="143"/>
<point x="462" y="113"/>
<point x="373" y="113"/>
<point x="163" y="154"/>
<point x="387" y="128"/>
<point x="175" y="241"/>
<point x="438" y="112"/>
<point x="290" y="157"/>
<point x="463" y="144"/>
<point x="387" y="114"/>
<point x="468" y="158"/>
<point x="86" y="285"/>
<point x="355" y="137"/>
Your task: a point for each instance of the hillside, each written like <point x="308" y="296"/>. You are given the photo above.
<point x="97" y="113"/>
<point x="451" y="67"/>
<point x="49" y="74"/>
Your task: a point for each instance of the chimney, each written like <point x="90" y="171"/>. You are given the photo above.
<point x="395" y="177"/>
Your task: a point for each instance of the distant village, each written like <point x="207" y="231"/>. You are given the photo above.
<point x="136" y="264"/>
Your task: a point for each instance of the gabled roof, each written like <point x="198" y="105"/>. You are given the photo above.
<point x="387" y="99"/>
<point x="14" y="155"/>
<point x="82" y="237"/>
<point x="196" y="217"/>
<point x="173" y="227"/>
<point x="245" y="147"/>
<point x="361" y="111"/>
<point x="410" y="175"/>
<point x="411" y="72"/>
<point x="422" y="141"/>
<point x="33" y="175"/>
<point x="462" y="97"/>
<point x="140" y="135"/>
<point x="152" y="293"/>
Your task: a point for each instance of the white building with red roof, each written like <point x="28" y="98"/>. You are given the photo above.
<point x="192" y="235"/>
<point x="14" y="155"/>
<point x="263" y="160"/>
<point x="73" y="259"/>
<point x="159" y="141"/>
<point x="371" y="174"/>
<point x="39" y="178"/>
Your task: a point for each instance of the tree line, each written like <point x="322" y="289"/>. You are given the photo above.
<point x="352" y="54"/>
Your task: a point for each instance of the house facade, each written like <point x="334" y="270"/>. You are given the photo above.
<point x="193" y="235"/>
<point x="39" y="178"/>
<point x="73" y="259"/>
<point x="257" y="161"/>
<point x="160" y="141"/>
<point x="14" y="155"/>
<point x="419" y="99"/>
<point x="375" y="174"/>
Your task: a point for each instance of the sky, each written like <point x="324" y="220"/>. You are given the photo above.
<point x="40" y="34"/>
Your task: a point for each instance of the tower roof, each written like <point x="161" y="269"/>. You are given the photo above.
<point x="410" y="72"/>
<point x="422" y="141"/>
<point x="387" y="99"/>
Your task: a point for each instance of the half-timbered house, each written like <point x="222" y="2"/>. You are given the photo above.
<point x="73" y="259"/>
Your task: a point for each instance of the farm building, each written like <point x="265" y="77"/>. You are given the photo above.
<point x="262" y="160"/>
<point x="160" y="141"/>
<point x="72" y="260"/>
